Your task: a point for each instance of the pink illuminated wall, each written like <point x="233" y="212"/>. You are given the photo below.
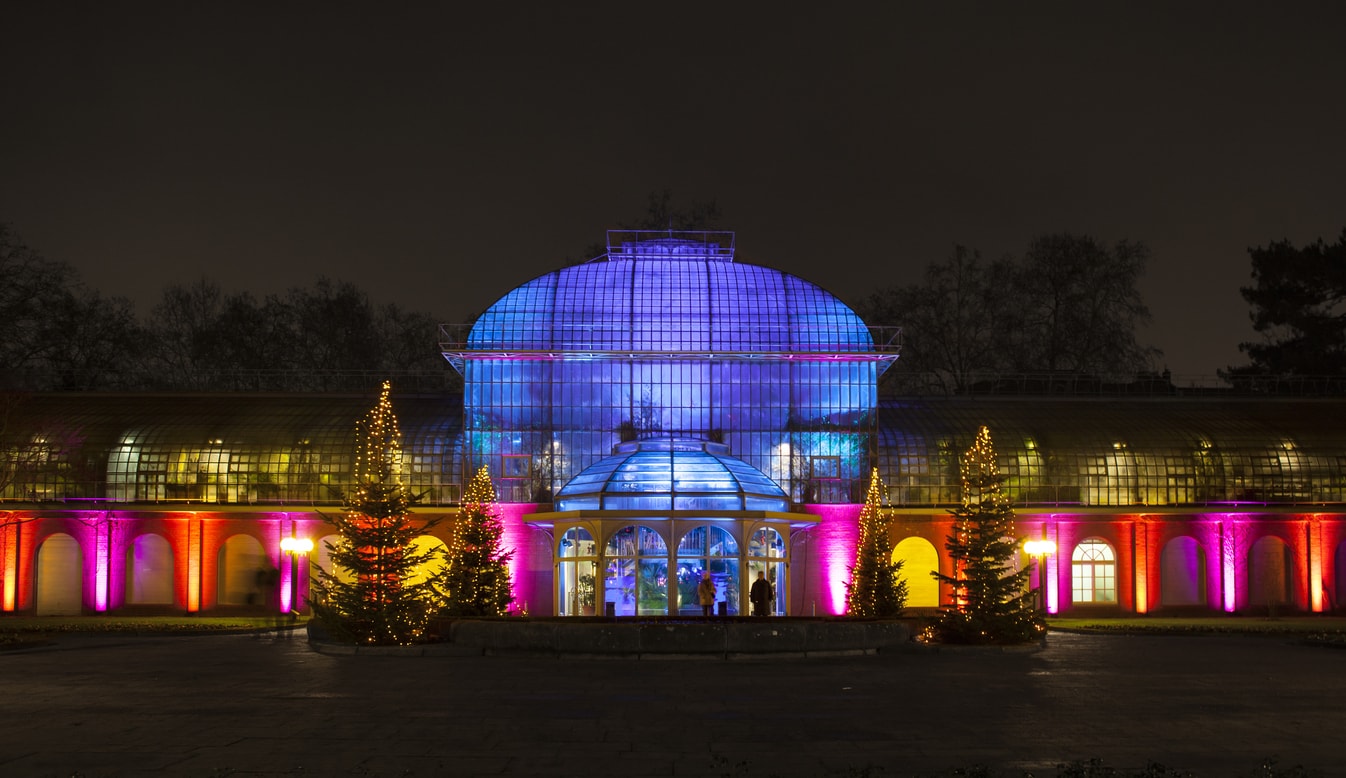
<point x="101" y="562"/>
<point x="529" y="570"/>
<point x="830" y="554"/>
<point x="1213" y="566"/>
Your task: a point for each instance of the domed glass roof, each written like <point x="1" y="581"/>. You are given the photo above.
<point x="671" y="474"/>
<point x="674" y="294"/>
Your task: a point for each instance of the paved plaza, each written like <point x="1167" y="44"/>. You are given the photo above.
<point x="103" y="705"/>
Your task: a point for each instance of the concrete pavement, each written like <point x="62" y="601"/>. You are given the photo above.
<point x="109" y="705"/>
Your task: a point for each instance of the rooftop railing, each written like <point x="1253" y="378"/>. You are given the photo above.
<point x="900" y="382"/>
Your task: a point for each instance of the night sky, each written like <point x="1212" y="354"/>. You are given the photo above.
<point x="437" y="157"/>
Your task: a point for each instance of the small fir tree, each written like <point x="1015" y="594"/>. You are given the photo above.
<point x="990" y="601"/>
<point x="386" y="602"/>
<point x="478" y="582"/>
<point x="877" y="588"/>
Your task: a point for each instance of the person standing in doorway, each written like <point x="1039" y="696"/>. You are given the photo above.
<point x="705" y="593"/>
<point x="760" y="595"/>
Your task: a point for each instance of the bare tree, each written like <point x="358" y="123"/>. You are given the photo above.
<point x="1080" y="307"/>
<point x="55" y="333"/>
<point x="955" y="322"/>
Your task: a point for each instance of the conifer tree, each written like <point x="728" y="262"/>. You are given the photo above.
<point x="877" y="588"/>
<point x="478" y="581"/>
<point x="384" y="604"/>
<point x="990" y="601"/>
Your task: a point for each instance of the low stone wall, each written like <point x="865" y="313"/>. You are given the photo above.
<point x="653" y="638"/>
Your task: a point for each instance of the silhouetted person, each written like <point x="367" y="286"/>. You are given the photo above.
<point x="268" y="580"/>
<point x="705" y="592"/>
<point x="760" y="595"/>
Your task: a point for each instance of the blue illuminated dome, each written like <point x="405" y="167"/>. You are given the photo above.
<point x="670" y="474"/>
<point x="670" y="295"/>
<point x="666" y="336"/>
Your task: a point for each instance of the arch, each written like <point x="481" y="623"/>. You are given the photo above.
<point x="60" y="576"/>
<point x="149" y="571"/>
<point x="1093" y="572"/>
<point x="1270" y="571"/>
<point x="427" y="544"/>
<point x="322" y="558"/>
<point x="636" y="577"/>
<point x="1182" y="572"/>
<point x="576" y="573"/>
<point x="244" y="576"/>
<point x="708" y="549"/>
<point x="919" y="559"/>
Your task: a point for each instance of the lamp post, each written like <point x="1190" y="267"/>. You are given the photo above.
<point x="295" y="547"/>
<point x="1040" y="549"/>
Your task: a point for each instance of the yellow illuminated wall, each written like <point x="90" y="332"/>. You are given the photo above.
<point x="919" y="558"/>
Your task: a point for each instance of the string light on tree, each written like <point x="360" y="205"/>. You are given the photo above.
<point x="876" y="588"/>
<point x="478" y="578"/>
<point x="989" y="601"/>
<point x="377" y="544"/>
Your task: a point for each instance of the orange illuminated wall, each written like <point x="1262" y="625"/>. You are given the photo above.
<point x="194" y="571"/>
<point x="1314" y="533"/>
<point x="1140" y="542"/>
<point x="9" y="559"/>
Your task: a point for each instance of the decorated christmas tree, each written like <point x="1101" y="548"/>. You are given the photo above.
<point x="876" y="588"/>
<point x="386" y="599"/>
<point x="478" y="582"/>
<point x="990" y="602"/>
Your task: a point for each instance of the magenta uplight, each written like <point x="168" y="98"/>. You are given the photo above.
<point x="836" y="536"/>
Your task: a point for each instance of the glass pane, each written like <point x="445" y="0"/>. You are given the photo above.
<point x="619" y="586"/>
<point x="722" y="543"/>
<point x="775" y="576"/>
<point x="693" y="543"/>
<point x="577" y="541"/>
<point x="577" y="588"/>
<point x="689" y="575"/>
<point x="653" y="587"/>
<point x="652" y="544"/>
<point x="766" y="543"/>
<point x="724" y="572"/>
<point x="622" y="542"/>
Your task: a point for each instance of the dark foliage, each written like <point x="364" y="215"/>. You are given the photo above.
<point x="1298" y="300"/>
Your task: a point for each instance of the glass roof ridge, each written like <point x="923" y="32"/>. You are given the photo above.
<point x="713" y="245"/>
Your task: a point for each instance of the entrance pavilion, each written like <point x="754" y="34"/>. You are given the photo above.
<point x="635" y="531"/>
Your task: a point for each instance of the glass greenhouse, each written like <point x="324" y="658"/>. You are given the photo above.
<point x="665" y="412"/>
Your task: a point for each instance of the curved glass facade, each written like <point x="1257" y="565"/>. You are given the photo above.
<point x="222" y="449"/>
<point x="667" y="336"/>
<point x="666" y="412"/>
<point x="667" y="475"/>
<point x="1093" y="452"/>
<point x="283" y="449"/>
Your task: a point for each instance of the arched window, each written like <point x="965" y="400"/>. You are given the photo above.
<point x="1182" y="572"/>
<point x="60" y="576"/>
<point x="577" y="573"/>
<point x="708" y="549"/>
<point x="1093" y="573"/>
<point x="636" y="579"/>
<point x="243" y="574"/>
<point x="1270" y="573"/>
<point x="322" y="559"/>
<point x="149" y="571"/>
